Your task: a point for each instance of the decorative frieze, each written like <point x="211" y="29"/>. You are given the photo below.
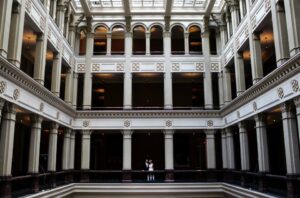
<point x="214" y="67"/>
<point x="127" y="123"/>
<point x="80" y="67"/>
<point x="95" y="67"/>
<point x="295" y="85"/>
<point x="2" y="87"/>
<point x="169" y="123"/>
<point x="16" y="94"/>
<point x="280" y="92"/>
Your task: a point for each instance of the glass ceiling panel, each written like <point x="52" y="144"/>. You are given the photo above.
<point x="189" y="3"/>
<point x="147" y="3"/>
<point x="106" y="3"/>
<point x="77" y="3"/>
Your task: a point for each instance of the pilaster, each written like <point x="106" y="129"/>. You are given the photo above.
<point x="262" y="143"/>
<point x="186" y="43"/>
<point x="224" y="150"/>
<point x="168" y="91"/>
<point x="35" y="141"/>
<point x="221" y="90"/>
<point x="291" y="143"/>
<point x="210" y="149"/>
<point x="256" y="57"/>
<point x="16" y="33"/>
<point x="230" y="149"/>
<point x="85" y="149"/>
<point x="52" y="147"/>
<point x="40" y="58"/>
<point x="5" y="21"/>
<point x="66" y="150"/>
<point x="127" y="98"/>
<point x="239" y="73"/>
<point x="56" y="74"/>
<point x="148" y="35"/>
<point x="244" y="147"/>
<point x="227" y="86"/>
<point x="68" y="86"/>
<point x="127" y="149"/>
<point x="75" y="90"/>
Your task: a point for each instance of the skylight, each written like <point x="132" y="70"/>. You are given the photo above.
<point x="148" y="3"/>
<point x="189" y="3"/>
<point x="106" y="3"/>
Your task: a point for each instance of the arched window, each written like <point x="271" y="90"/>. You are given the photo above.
<point x="82" y="43"/>
<point x="117" y="40"/>
<point x="177" y="43"/>
<point x="139" y="40"/>
<point x="100" y="43"/>
<point x="195" y="41"/>
<point x="156" y="40"/>
<point x="213" y="42"/>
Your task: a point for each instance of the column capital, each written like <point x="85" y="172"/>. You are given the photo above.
<point x="167" y="34"/>
<point x="40" y="36"/>
<point x="168" y="132"/>
<point x="2" y="102"/>
<point x="108" y="35"/>
<point x="127" y="132"/>
<point x="286" y="107"/>
<point x="220" y="75"/>
<point x="210" y="132"/>
<point x="10" y="108"/>
<point x="54" y="126"/>
<point x="186" y="34"/>
<point x="228" y="131"/>
<point x="67" y="132"/>
<point x="241" y="124"/>
<point x="86" y="132"/>
<point x="72" y="135"/>
<point x="297" y="101"/>
<point x="36" y="118"/>
<point x="260" y="120"/>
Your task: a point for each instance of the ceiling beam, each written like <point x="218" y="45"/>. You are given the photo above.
<point x="208" y="7"/>
<point x="127" y="8"/>
<point x="168" y="7"/>
<point x="86" y="8"/>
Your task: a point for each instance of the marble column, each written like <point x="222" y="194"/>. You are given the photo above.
<point x="168" y="92"/>
<point x="186" y="43"/>
<point x="291" y="142"/>
<point x="35" y="141"/>
<point x="2" y="103"/>
<point x="229" y="26"/>
<point x="71" y="36"/>
<point x="169" y="155"/>
<point x="221" y="90"/>
<point x="230" y="149"/>
<point x="127" y="149"/>
<point x="52" y="11"/>
<point x="5" y="21"/>
<point x="69" y="86"/>
<point x="85" y="149"/>
<point x="148" y="35"/>
<point x="208" y="94"/>
<point x="244" y="147"/>
<point x="56" y="73"/>
<point x="72" y="151"/>
<point x="210" y="149"/>
<point x="52" y="150"/>
<point x="223" y="35"/>
<point x="224" y="150"/>
<point x="87" y="85"/>
<point x="66" y="150"/>
<point x="242" y="14"/>
<point x="127" y="98"/>
<point x="227" y="85"/>
<point x="235" y="16"/>
<point x="262" y="143"/>
<point x="108" y="46"/>
<point x="292" y="14"/>
<point x="40" y="58"/>
<point x="60" y="16"/>
<point x="280" y="32"/>
<point x="256" y="58"/>
<point x="239" y="73"/>
<point x="7" y="139"/>
<point x="297" y="104"/>
<point x="16" y="33"/>
<point x="75" y="90"/>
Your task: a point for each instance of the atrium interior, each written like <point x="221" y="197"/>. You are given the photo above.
<point x="207" y="89"/>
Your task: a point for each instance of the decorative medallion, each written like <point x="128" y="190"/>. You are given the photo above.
<point x="210" y="123"/>
<point x="295" y="85"/>
<point x="81" y="67"/>
<point x="127" y="123"/>
<point x="254" y="106"/>
<point x="160" y="67"/>
<point x="267" y="5"/>
<point x="135" y="67"/>
<point x="95" y="67"/>
<point x="120" y="67"/>
<point x="214" y="67"/>
<point x="200" y="67"/>
<point x="169" y="123"/>
<point x="175" y="67"/>
<point x="42" y="107"/>
<point x="86" y="123"/>
<point x="28" y="5"/>
<point x="280" y="92"/>
<point x="2" y="87"/>
<point x="16" y="94"/>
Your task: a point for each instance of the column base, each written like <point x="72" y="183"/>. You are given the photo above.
<point x="53" y="179"/>
<point x="292" y="186"/>
<point x="126" y="176"/>
<point x="35" y="187"/>
<point x="84" y="176"/>
<point x="5" y="186"/>
<point x="262" y="183"/>
<point x="211" y="175"/>
<point x="169" y="176"/>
